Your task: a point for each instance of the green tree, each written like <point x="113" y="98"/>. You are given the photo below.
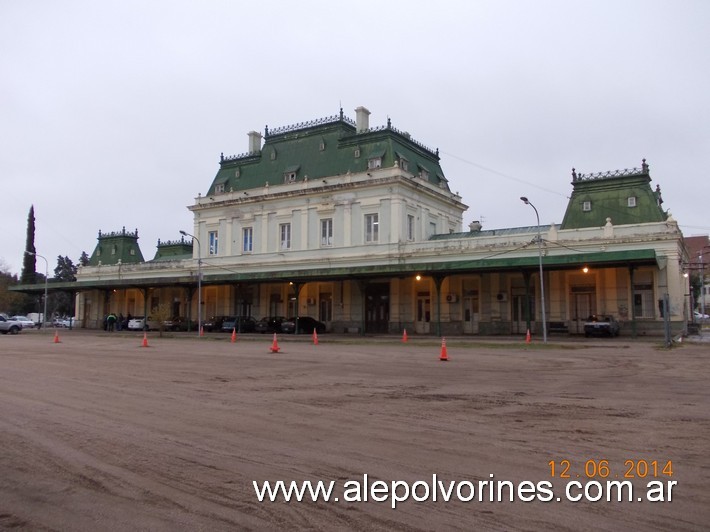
<point x="65" y="270"/>
<point x="84" y="259"/>
<point x="61" y="302"/>
<point x="29" y="261"/>
<point x="10" y="302"/>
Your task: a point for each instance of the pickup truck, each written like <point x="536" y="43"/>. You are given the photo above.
<point x="9" y="326"/>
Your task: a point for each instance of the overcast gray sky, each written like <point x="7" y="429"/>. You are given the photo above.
<point x="114" y="113"/>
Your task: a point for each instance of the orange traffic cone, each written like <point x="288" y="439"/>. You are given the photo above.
<point x="234" y="335"/>
<point x="315" y="337"/>
<point x="56" y="337"/>
<point x="275" y="345"/>
<point x="444" y="355"/>
<point x="202" y="331"/>
<point x="404" y="336"/>
<point x="527" y="337"/>
<point x="145" y="340"/>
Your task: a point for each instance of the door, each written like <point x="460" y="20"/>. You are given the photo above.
<point x="470" y="314"/>
<point x="377" y="308"/>
<point x="423" y="317"/>
<point x="583" y="308"/>
<point x="519" y="314"/>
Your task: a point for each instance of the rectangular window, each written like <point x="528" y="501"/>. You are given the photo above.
<point x="432" y="228"/>
<point x="248" y="240"/>
<point x="632" y="201"/>
<point x="587" y="206"/>
<point x="372" y="227"/>
<point x="326" y="232"/>
<point x="213" y="239"/>
<point x="285" y="232"/>
<point x="290" y="177"/>
<point x="410" y="227"/>
<point x="219" y="189"/>
<point x="375" y="162"/>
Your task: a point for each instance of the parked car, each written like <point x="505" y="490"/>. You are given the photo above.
<point x="306" y="324"/>
<point x="700" y="316"/>
<point x="181" y="324"/>
<point x="270" y="324"/>
<point x="65" y="322"/>
<point x="242" y="324"/>
<point x="24" y="321"/>
<point x="601" y="325"/>
<point x="214" y="323"/>
<point x="139" y="323"/>
<point x="9" y="326"/>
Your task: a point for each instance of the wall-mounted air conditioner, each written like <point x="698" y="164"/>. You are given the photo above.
<point x="452" y="298"/>
<point x="502" y="297"/>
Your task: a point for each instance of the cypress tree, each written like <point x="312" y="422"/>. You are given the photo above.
<point x="29" y="262"/>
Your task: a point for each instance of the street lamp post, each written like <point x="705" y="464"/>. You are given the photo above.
<point x="702" y="282"/>
<point x="46" y="277"/>
<point x="199" y="281"/>
<point x="542" y="280"/>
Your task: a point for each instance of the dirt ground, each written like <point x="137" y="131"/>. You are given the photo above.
<point x="99" y="433"/>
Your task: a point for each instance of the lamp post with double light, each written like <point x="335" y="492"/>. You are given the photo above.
<point x="542" y="280"/>
<point x="199" y="280"/>
<point x="46" y="279"/>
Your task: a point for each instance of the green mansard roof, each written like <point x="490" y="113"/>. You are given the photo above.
<point x="116" y="246"/>
<point x="173" y="250"/>
<point x="322" y="148"/>
<point x="624" y="196"/>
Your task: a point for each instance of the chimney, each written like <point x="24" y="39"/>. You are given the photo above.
<point x="254" y="141"/>
<point x="362" y="119"/>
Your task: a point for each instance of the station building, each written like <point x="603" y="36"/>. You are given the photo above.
<point x="357" y="227"/>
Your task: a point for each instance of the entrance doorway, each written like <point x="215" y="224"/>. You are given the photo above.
<point x="422" y="324"/>
<point x="377" y="308"/>
<point x="519" y="314"/>
<point x="470" y="314"/>
<point x="583" y="308"/>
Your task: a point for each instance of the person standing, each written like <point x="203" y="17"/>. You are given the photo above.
<point x="111" y="321"/>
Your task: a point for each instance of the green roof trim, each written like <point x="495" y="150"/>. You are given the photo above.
<point x="471" y="266"/>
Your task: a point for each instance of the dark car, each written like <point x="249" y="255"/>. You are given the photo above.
<point x="242" y="324"/>
<point x="601" y="325"/>
<point x="306" y="324"/>
<point x="182" y="324"/>
<point x="214" y="323"/>
<point x="271" y="324"/>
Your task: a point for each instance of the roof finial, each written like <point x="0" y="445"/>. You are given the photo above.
<point x="266" y="131"/>
<point x="644" y="166"/>
<point x="574" y="174"/>
<point x="389" y="123"/>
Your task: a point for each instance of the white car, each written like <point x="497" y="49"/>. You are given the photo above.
<point x="700" y="316"/>
<point x="24" y="321"/>
<point x="139" y="324"/>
